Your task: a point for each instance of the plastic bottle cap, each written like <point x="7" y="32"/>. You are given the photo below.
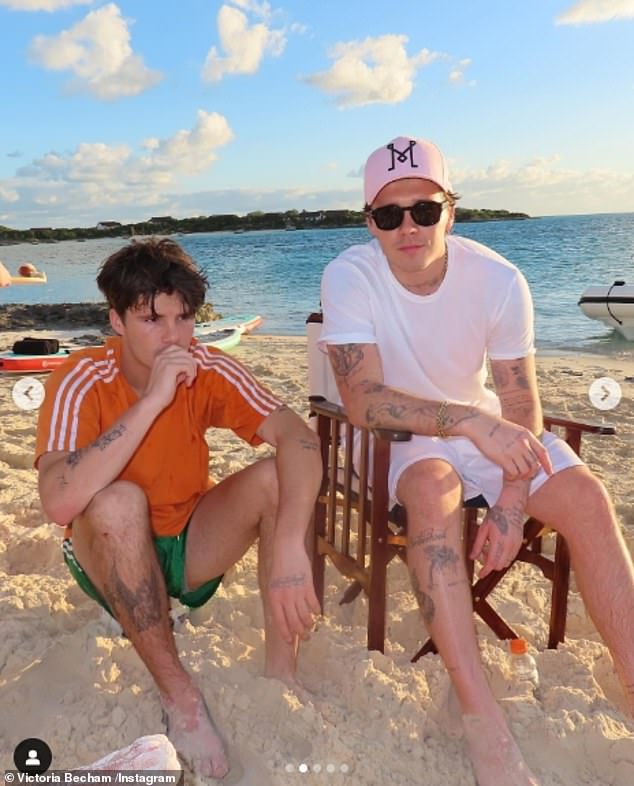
<point x="519" y="646"/>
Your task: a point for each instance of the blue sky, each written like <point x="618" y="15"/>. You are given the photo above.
<point x="124" y="110"/>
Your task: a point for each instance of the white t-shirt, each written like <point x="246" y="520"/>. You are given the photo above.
<point x="433" y="346"/>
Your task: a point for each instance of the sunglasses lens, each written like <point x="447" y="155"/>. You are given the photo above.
<point x="426" y="214"/>
<point x="388" y="217"/>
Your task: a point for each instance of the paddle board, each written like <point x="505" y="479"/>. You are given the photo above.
<point x="15" y="363"/>
<point x="244" y="322"/>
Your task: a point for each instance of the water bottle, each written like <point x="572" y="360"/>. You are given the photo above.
<point x="522" y="663"/>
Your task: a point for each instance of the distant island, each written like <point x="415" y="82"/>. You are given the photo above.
<point x="166" y="225"/>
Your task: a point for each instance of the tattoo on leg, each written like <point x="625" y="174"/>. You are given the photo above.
<point x="426" y="537"/>
<point x="440" y="559"/>
<point x="425" y="601"/>
<point x="289" y="581"/>
<point x="141" y="604"/>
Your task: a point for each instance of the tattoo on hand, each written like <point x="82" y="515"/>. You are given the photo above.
<point x="499" y="519"/>
<point x="297" y="580"/>
<point x="425" y="601"/>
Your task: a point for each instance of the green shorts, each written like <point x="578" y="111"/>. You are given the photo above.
<point x="171" y="556"/>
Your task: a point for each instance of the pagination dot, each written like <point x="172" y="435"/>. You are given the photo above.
<point x="330" y="768"/>
<point x="344" y="768"/>
<point x="303" y="768"/>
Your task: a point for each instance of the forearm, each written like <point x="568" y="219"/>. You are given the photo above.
<point x="70" y="483"/>
<point x="299" y="472"/>
<point x="381" y="406"/>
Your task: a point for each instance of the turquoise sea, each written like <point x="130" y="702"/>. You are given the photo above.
<point x="277" y="273"/>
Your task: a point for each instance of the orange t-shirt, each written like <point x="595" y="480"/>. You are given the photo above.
<point x="89" y="393"/>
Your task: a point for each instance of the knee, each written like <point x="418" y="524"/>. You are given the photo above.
<point x="113" y="509"/>
<point x="431" y="484"/>
<point x="589" y="497"/>
<point x="584" y="508"/>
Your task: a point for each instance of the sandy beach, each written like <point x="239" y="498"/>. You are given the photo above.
<point x="68" y="678"/>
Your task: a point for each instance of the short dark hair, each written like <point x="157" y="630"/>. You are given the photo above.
<point x="137" y="273"/>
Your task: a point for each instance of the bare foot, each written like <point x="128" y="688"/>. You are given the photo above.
<point x="495" y="757"/>
<point x="194" y="735"/>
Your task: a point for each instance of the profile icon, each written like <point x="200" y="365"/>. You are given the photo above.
<point x="32" y="756"/>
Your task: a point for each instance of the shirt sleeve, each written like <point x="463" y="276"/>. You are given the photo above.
<point x="512" y="332"/>
<point x="346" y="306"/>
<point x="235" y="398"/>
<point x="69" y="416"/>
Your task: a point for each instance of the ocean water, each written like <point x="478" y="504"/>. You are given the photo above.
<point x="277" y="273"/>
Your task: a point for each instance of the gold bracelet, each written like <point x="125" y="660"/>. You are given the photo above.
<point x="440" y="420"/>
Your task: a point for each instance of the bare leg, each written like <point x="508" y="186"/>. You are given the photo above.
<point x="113" y="544"/>
<point x="226" y="522"/>
<point x="575" y="503"/>
<point x="431" y="493"/>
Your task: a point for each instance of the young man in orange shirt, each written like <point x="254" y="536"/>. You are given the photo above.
<point x="123" y="465"/>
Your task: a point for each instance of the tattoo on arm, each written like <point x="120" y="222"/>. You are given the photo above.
<point x="104" y="440"/>
<point x="345" y="358"/>
<point x="101" y="443"/>
<point x="298" y="580"/>
<point x="308" y="444"/>
<point x="425" y="601"/>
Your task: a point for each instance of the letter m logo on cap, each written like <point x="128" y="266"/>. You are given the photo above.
<point x="401" y="156"/>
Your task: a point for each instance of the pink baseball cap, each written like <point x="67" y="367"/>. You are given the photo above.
<point x="402" y="158"/>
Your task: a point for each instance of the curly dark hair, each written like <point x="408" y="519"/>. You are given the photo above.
<point x="137" y="273"/>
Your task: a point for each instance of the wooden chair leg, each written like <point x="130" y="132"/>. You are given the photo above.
<point x="559" y="599"/>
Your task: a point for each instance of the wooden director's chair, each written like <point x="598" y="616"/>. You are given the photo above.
<point x="355" y="529"/>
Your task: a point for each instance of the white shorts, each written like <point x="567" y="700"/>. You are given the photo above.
<point x="479" y="475"/>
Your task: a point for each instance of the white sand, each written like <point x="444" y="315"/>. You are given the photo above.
<point x="66" y="679"/>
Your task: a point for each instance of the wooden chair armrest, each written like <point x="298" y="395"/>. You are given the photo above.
<point x="579" y="425"/>
<point x="321" y="406"/>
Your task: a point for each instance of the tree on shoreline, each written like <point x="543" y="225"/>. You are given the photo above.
<point x="166" y="225"/>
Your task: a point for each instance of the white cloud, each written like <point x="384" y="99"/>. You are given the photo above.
<point x="95" y="175"/>
<point x="372" y="71"/>
<point x="543" y="186"/>
<point x="457" y="73"/>
<point x="590" y="11"/>
<point x="263" y="10"/>
<point x="97" y="51"/>
<point x="41" y="5"/>
<point x="244" y="45"/>
<point x="8" y="194"/>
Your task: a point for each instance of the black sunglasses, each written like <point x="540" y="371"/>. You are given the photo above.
<point x="425" y="213"/>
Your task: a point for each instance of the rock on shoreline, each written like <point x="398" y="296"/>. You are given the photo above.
<point x="18" y="316"/>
